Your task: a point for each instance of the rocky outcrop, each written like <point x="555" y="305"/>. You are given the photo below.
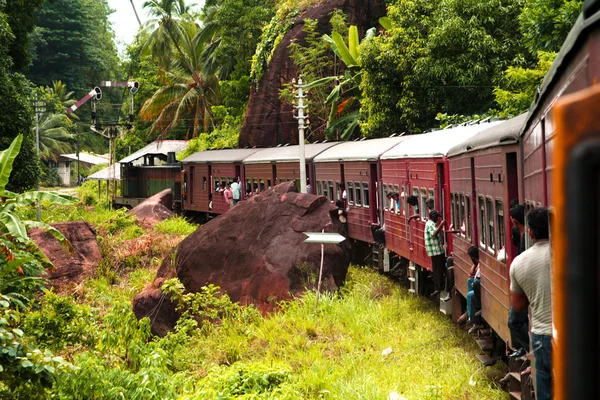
<point x="255" y="253"/>
<point x="154" y="209"/>
<point x="269" y="121"/>
<point x="69" y="267"/>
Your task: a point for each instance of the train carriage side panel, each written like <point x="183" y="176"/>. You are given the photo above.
<point x="358" y="187"/>
<point x="397" y="232"/>
<point x="255" y="175"/>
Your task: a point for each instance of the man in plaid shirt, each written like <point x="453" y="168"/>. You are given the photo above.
<point x="433" y="246"/>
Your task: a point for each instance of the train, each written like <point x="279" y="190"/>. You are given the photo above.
<point x="546" y="157"/>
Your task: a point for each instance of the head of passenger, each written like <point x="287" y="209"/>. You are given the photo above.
<point x="517" y="215"/>
<point x="412" y="200"/>
<point x="434" y="216"/>
<point x="537" y="224"/>
<point x="222" y="186"/>
<point x="513" y="203"/>
<point x="395" y="196"/>
<point x="473" y="252"/>
<point x="388" y="195"/>
<point x="430" y="203"/>
<point x="339" y="204"/>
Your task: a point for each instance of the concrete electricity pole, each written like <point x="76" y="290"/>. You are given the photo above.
<point x="40" y="109"/>
<point x="300" y="95"/>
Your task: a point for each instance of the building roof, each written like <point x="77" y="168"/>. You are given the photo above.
<point x="106" y="174"/>
<point x="86" y="158"/>
<point x="435" y="144"/>
<point x="365" y="150"/>
<point x="502" y="134"/>
<point x="589" y="18"/>
<point x="220" y="156"/>
<point x="287" y="154"/>
<point x="155" y="148"/>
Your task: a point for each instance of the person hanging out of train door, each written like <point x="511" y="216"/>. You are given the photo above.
<point x="342" y="216"/>
<point x="518" y="322"/>
<point x="235" y="189"/>
<point x="344" y="195"/>
<point x="530" y="285"/>
<point x="474" y="291"/>
<point x="433" y="246"/>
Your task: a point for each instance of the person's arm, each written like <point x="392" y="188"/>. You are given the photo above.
<point x="439" y="228"/>
<point x="451" y="230"/>
<point x="518" y="301"/>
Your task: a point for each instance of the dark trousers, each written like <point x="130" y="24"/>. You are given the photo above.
<point x="474" y="302"/>
<point x="518" y="324"/>
<point x="542" y="353"/>
<point x="439" y="265"/>
<point x="449" y="279"/>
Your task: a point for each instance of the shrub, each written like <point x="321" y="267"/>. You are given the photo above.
<point x="176" y="226"/>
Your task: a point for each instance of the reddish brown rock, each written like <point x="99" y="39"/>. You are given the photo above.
<point x="70" y="267"/>
<point x="154" y="209"/>
<point x="151" y="303"/>
<point x="269" y="120"/>
<point x="255" y="252"/>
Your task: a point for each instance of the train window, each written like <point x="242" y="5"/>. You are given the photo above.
<point x="462" y="218"/>
<point x="432" y="196"/>
<point x="424" y="214"/>
<point x="337" y="190"/>
<point x="217" y="182"/>
<point x="490" y="225"/>
<point x="326" y="190"/>
<point x="230" y="180"/>
<point x="396" y="190"/>
<point x="248" y="186"/>
<point x="331" y="194"/>
<point x="269" y="183"/>
<point x="403" y="200"/>
<point x="255" y="185"/>
<point x="357" y="201"/>
<point x="481" y="209"/>
<point x="500" y="224"/>
<point x="365" y="194"/>
<point x="204" y="184"/>
<point x="319" y="191"/>
<point x="468" y="219"/>
<point x="350" y="191"/>
<point x="453" y="207"/>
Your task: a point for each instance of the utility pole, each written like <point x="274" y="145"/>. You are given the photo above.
<point x="40" y="108"/>
<point x="135" y="12"/>
<point x="300" y="95"/>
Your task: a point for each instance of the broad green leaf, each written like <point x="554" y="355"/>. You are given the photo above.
<point x="347" y="133"/>
<point x="329" y="40"/>
<point x="344" y="53"/>
<point x="51" y="230"/>
<point x="386" y="22"/>
<point x="54" y="197"/>
<point x="353" y="41"/>
<point x="344" y="123"/>
<point x="320" y="82"/>
<point x="371" y="32"/>
<point x="11" y="224"/>
<point x="334" y="96"/>
<point x="7" y="157"/>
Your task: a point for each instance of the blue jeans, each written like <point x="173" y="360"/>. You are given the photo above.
<point x="473" y="301"/>
<point x="469" y="291"/>
<point x="542" y="353"/>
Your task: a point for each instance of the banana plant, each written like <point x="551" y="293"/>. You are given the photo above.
<point x="11" y="225"/>
<point x="347" y="91"/>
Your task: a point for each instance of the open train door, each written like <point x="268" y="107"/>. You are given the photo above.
<point x="575" y="241"/>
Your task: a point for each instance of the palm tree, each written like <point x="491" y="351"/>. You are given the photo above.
<point x="55" y="138"/>
<point x="59" y="89"/>
<point x="189" y="93"/>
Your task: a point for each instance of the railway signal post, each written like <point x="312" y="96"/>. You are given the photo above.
<point x="300" y="117"/>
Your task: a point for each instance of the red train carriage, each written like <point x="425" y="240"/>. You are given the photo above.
<point x="418" y="166"/>
<point x="204" y="171"/>
<point x="484" y="178"/>
<point x="273" y="166"/>
<point x="357" y="165"/>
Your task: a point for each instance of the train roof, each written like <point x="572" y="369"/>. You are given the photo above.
<point x="436" y="143"/>
<point x="504" y="133"/>
<point x="366" y="150"/>
<point x="589" y="18"/>
<point x="226" y="156"/>
<point x="162" y="147"/>
<point x="287" y="153"/>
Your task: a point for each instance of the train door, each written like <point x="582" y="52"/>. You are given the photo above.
<point x="474" y="209"/>
<point x="274" y="175"/>
<point x="191" y="185"/>
<point x="441" y="199"/>
<point x="343" y="180"/>
<point x="512" y="190"/>
<point x="575" y="237"/>
<point x="373" y="193"/>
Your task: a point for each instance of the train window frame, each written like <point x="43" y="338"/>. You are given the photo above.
<point x="365" y="195"/>
<point x="403" y="201"/>
<point x="330" y="188"/>
<point x="481" y="214"/>
<point x="248" y="186"/>
<point x="500" y="225"/>
<point x="269" y="184"/>
<point x="338" y="195"/>
<point x="350" y="192"/>
<point x="319" y="191"/>
<point x="453" y="209"/>
<point x="462" y="215"/>
<point x="255" y="186"/>
<point x="204" y="183"/>
<point x="469" y="226"/>
<point x="432" y="196"/>
<point x="416" y="194"/>
<point x="423" y="204"/>
<point x="357" y="194"/>
<point x="490" y="225"/>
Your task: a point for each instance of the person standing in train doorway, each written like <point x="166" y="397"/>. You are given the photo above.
<point x="433" y="246"/>
<point x="235" y="188"/>
<point x="530" y="285"/>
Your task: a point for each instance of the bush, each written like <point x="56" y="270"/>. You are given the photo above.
<point x="176" y="226"/>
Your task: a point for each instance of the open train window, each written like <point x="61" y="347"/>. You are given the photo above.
<point x="432" y="196"/>
<point x="319" y="191"/>
<point x="468" y="219"/>
<point x="331" y="190"/>
<point x="204" y="184"/>
<point x="424" y="214"/>
<point x="248" y="186"/>
<point x="462" y="218"/>
<point x="337" y="190"/>
<point x="500" y="224"/>
<point x="453" y="208"/>
<point x="255" y="185"/>
<point x="482" y="229"/>
<point x="365" y="194"/>
<point x="217" y="182"/>
<point x="357" y="200"/>
<point x="350" y="191"/>
<point x="490" y="225"/>
<point x="403" y="200"/>
<point x="269" y="184"/>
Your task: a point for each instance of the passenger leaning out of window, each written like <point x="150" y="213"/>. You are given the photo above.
<point x="414" y="202"/>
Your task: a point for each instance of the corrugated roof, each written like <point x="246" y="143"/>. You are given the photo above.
<point x="106" y="173"/>
<point x="86" y="158"/>
<point x="220" y="156"/>
<point x="435" y="144"/>
<point x="571" y="44"/>
<point x="158" y="147"/>
<point x="366" y="150"/>
<point x="287" y="154"/>
<point x="505" y="133"/>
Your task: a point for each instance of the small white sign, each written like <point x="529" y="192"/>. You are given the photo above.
<point x="319" y="237"/>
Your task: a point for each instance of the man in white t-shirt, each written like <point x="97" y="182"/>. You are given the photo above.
<point x="235" y="188"/>
<point x="531" y="285"/>
<point x="344" y="195"/>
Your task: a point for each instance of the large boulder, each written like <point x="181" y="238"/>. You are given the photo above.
<point x="154" y="209"/>
<point x="255" y="253"/>
<point x="269" y="120"/>
<point x="69" y="267"/>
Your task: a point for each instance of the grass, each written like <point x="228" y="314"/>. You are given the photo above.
<point x="176" y="226"/>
